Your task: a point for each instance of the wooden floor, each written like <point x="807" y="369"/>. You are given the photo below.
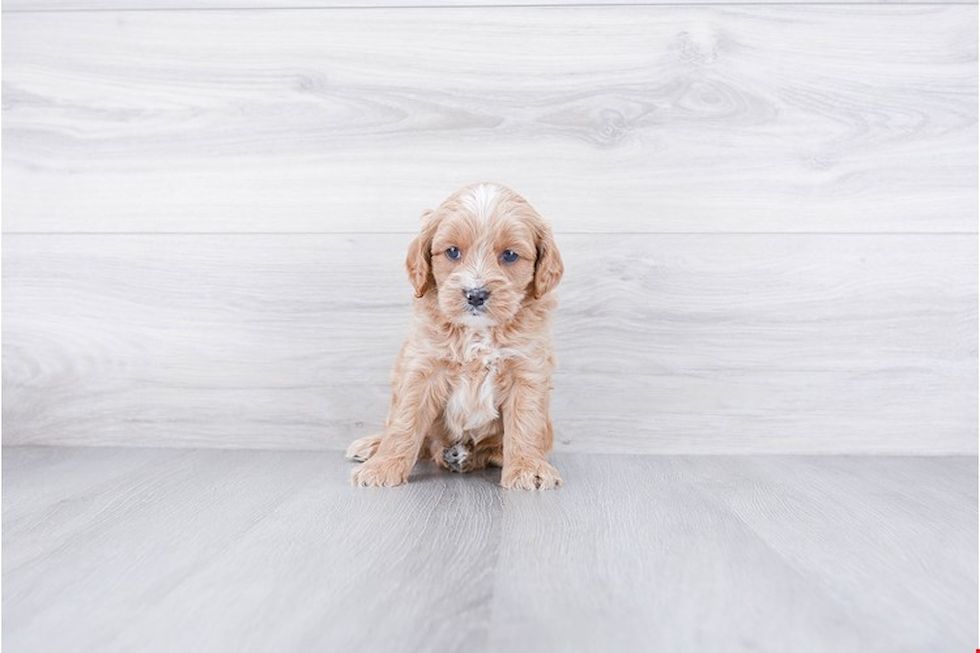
<point x="111" y="549"/>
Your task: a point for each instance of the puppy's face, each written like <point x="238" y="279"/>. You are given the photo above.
<point x="483" y="251"/>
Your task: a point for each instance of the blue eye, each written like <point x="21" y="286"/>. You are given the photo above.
<point x="509" y="256"/>
<point x="453" y="253"/>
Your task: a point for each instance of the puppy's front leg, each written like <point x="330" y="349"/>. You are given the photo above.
<point x="527" y="439"/>
<point x="419" y="398"/>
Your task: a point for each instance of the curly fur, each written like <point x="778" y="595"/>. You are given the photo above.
<point x="471" y="385"/>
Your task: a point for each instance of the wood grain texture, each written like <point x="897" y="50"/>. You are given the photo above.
<point x="680" y="343"/>
<point x="655" y="553"/>
<point x="17" y="6"/>
<point x="256" y="551"/>
<point x="624" y="119"/>
<point x="246" y="557"/>
<point x="828" y="516"/>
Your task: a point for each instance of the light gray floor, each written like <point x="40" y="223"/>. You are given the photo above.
<point x="207" y="550"/>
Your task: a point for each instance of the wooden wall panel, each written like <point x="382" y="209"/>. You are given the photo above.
<point x="768" y="212"/>
<point x="657" y="119"/>
<point x="17" y="6"/>
<point x="666" y="343"/>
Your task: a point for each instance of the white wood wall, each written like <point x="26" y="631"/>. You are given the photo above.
<point x="768" y="214"/>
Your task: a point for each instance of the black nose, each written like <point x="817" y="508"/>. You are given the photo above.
<point x="476" y="296"/>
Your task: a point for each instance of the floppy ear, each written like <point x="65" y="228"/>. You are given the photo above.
<point x="548" y="269"/>
<point x="419" y="259"/>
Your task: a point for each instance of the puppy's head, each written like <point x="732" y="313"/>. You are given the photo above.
<point x="483" y="251"/>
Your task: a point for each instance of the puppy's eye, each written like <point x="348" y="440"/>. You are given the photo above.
<point x="509" y="256"/>
<point x="453" y="253"/>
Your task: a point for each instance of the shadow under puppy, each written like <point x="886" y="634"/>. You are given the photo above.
<point x="472" y="383"/>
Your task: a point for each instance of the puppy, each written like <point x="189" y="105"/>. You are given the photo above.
<point x="472" y="383"/>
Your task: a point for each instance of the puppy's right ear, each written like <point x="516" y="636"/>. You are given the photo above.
<point x="419" y="259"/>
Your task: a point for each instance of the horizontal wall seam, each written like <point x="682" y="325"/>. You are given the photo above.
<point x="486" y="6"/>
<point x="557" y="233"/>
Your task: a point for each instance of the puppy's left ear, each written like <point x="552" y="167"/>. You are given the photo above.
<point x="419" y="259"/>
<point x="548" y="269"/>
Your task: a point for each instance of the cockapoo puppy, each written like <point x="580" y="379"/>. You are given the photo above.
<point x="472" y="383"/>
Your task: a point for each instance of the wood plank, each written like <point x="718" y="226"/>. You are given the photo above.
<point x="635" y="550"/>
<point x="17" y="6"/>
<point x="60" y="473"/>
<point x="850" y="542"/>
<point x="680" y="343"/>
<point x="181" y="557"/>
<point x="660" y="118"/>
<point x="246" y="550"/>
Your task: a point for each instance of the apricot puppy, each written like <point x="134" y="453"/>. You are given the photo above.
<point x="472" y="383"/>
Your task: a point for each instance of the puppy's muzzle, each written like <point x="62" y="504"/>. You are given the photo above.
<point x="476" y="297"/>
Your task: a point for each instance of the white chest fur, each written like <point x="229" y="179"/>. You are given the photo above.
<point x="474" y="401"/>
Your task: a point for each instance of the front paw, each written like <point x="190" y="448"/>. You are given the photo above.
<point x="380" y="473"/>
<point x="363" y="448"/>
<point x="530" y="475"/>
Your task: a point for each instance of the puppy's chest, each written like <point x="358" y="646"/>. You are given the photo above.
<point x="475" y="400"/>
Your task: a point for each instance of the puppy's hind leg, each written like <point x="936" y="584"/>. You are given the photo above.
<point x="363" y="448"/>
<point x="458" y="458"/>
<point x="493" y="457"/>
<point x="463" y="458"/>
